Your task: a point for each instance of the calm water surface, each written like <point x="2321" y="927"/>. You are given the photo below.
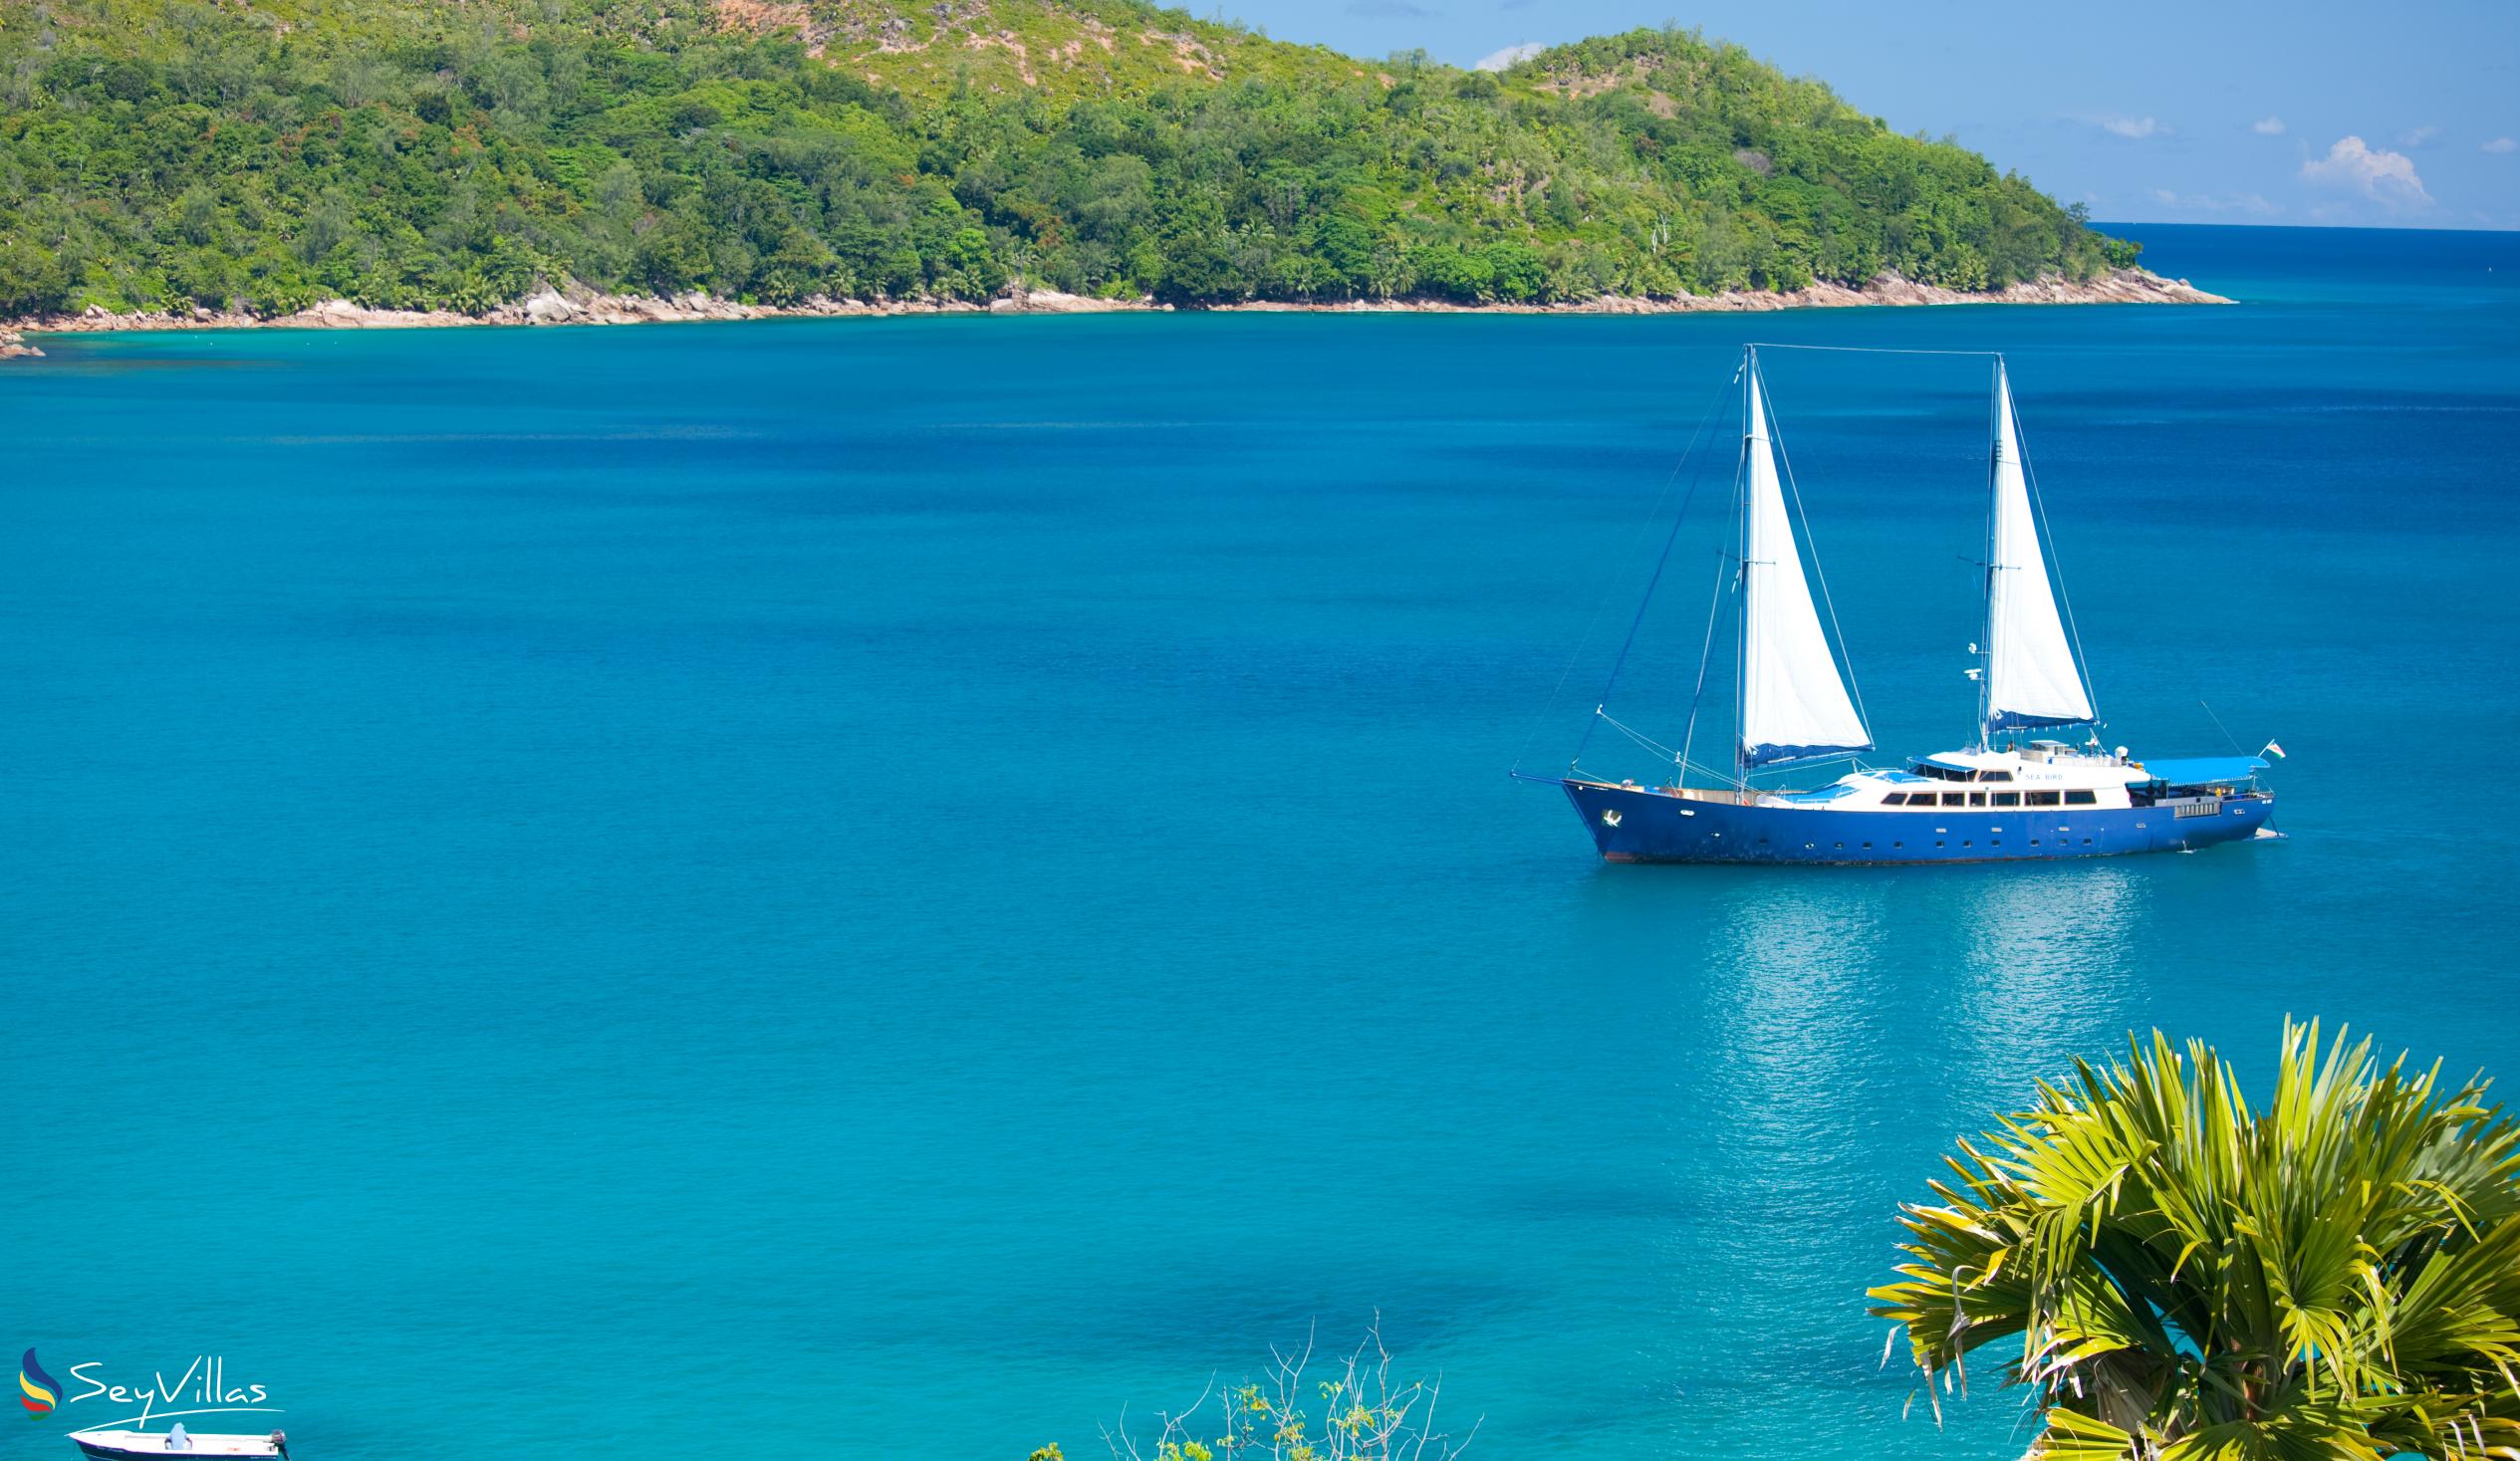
<point x="899" y="886"/>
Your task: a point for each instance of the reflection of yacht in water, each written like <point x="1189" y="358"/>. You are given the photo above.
<point x="2017" y="794"/>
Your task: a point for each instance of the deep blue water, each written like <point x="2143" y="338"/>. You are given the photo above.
<point x="898" y="885"/>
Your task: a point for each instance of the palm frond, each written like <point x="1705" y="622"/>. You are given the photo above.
<point x="2191" y="1278"/>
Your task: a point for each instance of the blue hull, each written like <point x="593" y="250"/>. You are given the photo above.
<point x="1640" y="826"/>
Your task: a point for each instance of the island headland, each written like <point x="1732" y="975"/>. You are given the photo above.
<point x="311" y="164"/>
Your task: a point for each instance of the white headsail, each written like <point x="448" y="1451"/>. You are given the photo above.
<point x="1793" y="701"/>
<point x="2031" y="677"/>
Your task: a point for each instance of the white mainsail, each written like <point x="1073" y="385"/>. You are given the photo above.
<point x="1793" y="701"/>
<point x="2031" y="677"/>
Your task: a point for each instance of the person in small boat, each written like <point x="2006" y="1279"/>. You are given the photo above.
<point x="177" y="1440"/>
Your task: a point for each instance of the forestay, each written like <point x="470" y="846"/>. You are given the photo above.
<point x="1793" y="701"/>
<point x="2031" y="676"/>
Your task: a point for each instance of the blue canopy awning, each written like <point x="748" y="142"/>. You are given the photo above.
<point x="2199" y="771"/>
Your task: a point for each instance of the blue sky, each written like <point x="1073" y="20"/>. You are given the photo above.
<point x="2310" y="112"/>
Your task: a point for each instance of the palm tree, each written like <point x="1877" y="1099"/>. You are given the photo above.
<point x="2190" y="1278"/>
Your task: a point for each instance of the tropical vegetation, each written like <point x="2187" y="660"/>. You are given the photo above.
<point x="2176" y="1273"/>
<point x="266" y="155"/>
<point x="1352" y="1409"/>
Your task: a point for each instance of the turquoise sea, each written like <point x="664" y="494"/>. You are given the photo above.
<point x="890" y="888"/>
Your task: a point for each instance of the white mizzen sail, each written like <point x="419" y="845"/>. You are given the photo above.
<point x="1793" y="701"/>
<point x="2031" y="677"/>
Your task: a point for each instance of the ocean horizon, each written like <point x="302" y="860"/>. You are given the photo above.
<point x="901" y="886"/>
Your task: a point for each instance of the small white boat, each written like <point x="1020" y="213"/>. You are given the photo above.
<point x="130" y="1445"/>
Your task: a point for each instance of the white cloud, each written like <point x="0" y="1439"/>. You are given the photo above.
<point x="2135" y="127"/>
<point x="2501" y="146"/>
<point x="2416" y="137"/>
<point x="2268" y="126"/>
<point x="2383" y="177"/>
<point x="1507" y="57"/>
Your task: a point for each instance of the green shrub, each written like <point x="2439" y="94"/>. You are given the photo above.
<point x="452" y="156"/>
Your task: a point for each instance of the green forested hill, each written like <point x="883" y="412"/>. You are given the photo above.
<point x="270" y="153"/>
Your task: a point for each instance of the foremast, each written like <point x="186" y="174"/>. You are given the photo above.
<point x="1792" y="701"/>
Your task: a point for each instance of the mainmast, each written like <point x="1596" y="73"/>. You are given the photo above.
<point x="2030" y="677"/>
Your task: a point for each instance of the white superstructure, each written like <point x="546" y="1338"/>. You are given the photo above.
<point x="2043" y="774"/>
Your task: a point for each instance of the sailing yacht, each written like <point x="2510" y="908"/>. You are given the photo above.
<point x="2024" y="789"/>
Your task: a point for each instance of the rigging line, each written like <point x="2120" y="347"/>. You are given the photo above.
<point x="1821" y="759"/>
<point x="2056" y="567"/>
<point x="1601" y="605"/>
<point x="2219" y="725"/>
<point x="1741" y="592"/>
<point x="1814" y="759"/>
<point x="1686" y="766"/>
<point x="1795" y="763"/>
<point x="1650" y="744"/>
<point x="1989" y="567"/>
<point x="1875" y="350"/>
<point x="1663" y="560"/>
<point x="1714" y="608"/>
<point x="1778" y="432"/>
<point x="1987" y="570"/>
<point x="1638" y="736"/>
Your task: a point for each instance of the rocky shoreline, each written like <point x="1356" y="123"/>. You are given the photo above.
<point x="584" y="306"/>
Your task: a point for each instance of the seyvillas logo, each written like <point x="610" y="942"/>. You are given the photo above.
<point x="37" y="1391"/>
<point x="203" y="1389"/>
